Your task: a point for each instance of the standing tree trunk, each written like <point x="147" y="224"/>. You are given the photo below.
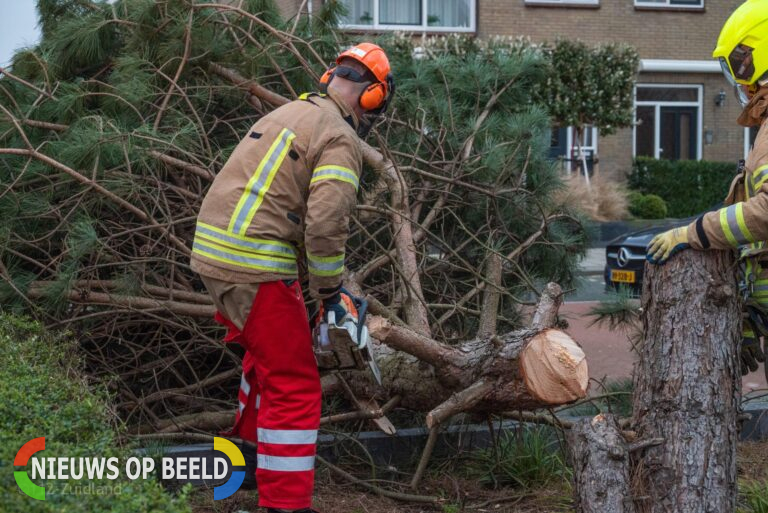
<point x="687" y="385"/>
<point x="600" y="459"/>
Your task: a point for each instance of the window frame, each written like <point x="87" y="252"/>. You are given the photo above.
<point x="568" y="162"/>
<point x="423" y="27"/>
<point x="649" y="4"/>
<point x="657" y="116"/>
<point x="564" y="3"/>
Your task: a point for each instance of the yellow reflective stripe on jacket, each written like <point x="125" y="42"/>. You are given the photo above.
<point x="343" y="174"/>
<point x="245" y="259"/>
<point x="733" y="225"/>
<point x="258" y="185"/>
<point x="757" y="179"/>
<point x="305" y="96"/>
<point x="760" y="289"/>
<point x="325" y="266"/>
<point x="242" y="243"/>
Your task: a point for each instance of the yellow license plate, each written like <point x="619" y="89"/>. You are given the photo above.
<point x="623" y="276"/>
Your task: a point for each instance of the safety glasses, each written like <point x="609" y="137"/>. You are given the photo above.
<point x="350" y="74"/>
<point x="741" y="62"/>
<point x="738" y="89"/>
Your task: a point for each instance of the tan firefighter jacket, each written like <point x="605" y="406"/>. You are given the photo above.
<point x="743" y="223"/>
<point x="284" y="199"/>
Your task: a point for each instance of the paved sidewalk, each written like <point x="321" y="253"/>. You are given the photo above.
<point x="609" y="353"/>
<point x="593" y="262"/>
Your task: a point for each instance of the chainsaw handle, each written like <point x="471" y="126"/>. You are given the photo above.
<point x="362" y="308"/>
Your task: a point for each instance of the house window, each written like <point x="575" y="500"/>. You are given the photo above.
<point x="750" y="134"/>
<point x="674" y="4"/>
<point x="563" y="147"/>
<point x="668" y="121"/>
<point x="427" y="15"/>
<point x="562" y="2"/>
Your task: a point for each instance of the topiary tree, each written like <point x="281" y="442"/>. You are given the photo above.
<point x="590" y="86"/>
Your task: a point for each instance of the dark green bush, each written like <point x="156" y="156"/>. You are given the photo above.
<point x="43" y="393"/>
<point x="647" y="206"/>
<point x="689" y="187"/>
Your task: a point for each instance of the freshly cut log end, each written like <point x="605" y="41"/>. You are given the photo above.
<point x="554" y="368"/>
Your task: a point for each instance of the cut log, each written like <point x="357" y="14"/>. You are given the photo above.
<point x="687" y="386"/>
<point x="554" y="368"/>
<point x="525" y="369"/>
<point x="601" y="469"/>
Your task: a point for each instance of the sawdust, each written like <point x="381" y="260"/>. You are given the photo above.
<point x="566" y="359"/>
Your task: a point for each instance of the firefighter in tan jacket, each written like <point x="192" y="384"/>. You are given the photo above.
<point x="283" y="201"/>
<point x="743" y="53"/>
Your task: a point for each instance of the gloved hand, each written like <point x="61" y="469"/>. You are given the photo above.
<point x="666" y="244"/>
<point x="751" y="354"/>
<point x="341" y="304"/>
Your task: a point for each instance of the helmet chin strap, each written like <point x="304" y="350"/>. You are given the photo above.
<point x="364" y="125"/>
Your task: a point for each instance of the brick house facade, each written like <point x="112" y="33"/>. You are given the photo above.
<point x="684" y="107"/>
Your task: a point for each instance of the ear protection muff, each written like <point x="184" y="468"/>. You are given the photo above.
<point x="326" y="79"/>
<point x="373" y="97"/>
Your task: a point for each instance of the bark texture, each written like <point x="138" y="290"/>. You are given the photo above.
<point x="600" y="459"/>
<point x="687" y="386"/>
<point x="524" y="369"/>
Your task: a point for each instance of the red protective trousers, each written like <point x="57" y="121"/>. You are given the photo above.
<point x="279" y="397"/>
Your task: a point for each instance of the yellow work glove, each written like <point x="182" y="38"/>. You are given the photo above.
<point x="666" y="244"/>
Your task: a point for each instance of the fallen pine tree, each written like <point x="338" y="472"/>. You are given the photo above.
<point x="119" y="120"/>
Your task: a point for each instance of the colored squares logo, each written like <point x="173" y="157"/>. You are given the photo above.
<point x="22" y="477"/>
<point x="236" y="457"/>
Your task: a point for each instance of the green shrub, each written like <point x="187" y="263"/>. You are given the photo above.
<point x="754" y="496"/>
<point x="42" y="393"/>
<point x="689" y="187"/>
<point x="526" y="459"/>
<point x="647" y="206"/>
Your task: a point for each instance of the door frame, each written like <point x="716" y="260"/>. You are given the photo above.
<point x="657" y="118"/>
<point x="677" y="111"/>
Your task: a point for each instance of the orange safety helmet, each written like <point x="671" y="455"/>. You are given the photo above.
<point x="377" y="95"/>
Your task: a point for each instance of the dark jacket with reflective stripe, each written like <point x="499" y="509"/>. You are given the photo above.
<point x="283" y="199"/>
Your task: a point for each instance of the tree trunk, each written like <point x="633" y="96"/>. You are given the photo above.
<point x="600" y="459"/>
<point x="525" y="369"/>
<point x="687" y="385"/>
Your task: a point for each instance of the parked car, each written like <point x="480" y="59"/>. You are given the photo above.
<point x="625" y="257"/>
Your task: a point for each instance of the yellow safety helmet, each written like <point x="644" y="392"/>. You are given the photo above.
<point x="742" y="47"/>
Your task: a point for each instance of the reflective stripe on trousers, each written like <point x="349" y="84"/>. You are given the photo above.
<point x="282" y="407"/>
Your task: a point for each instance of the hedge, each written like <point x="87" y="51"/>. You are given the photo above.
<point x="43" y="393"/>
<point x="689" y="187"/>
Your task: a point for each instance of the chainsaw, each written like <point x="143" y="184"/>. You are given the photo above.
<point x="344" y="344"/>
